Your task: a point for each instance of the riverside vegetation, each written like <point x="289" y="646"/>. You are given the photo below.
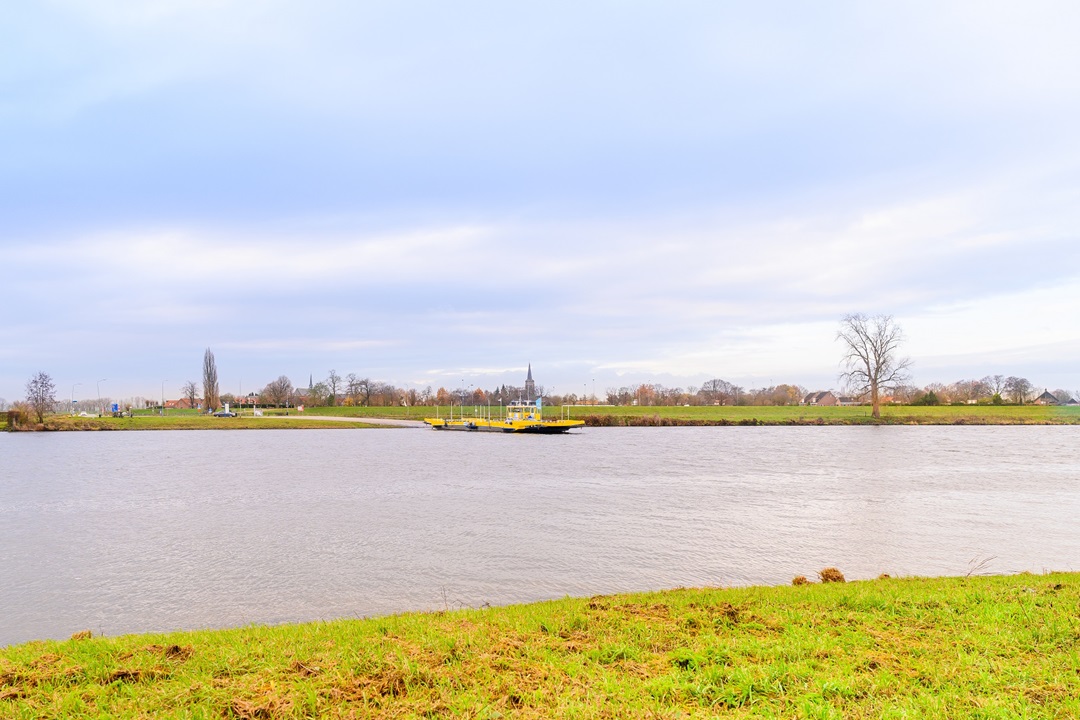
<point x="185" y="421"/>
<point x="975" y="647"/>
<point x="593" y="415"/>
<point x="607" y="415"/>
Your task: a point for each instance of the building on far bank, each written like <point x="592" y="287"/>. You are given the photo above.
<point x="1047" y="398"/>
<point x="821" y="398"/>
<point x="530" y="386"/>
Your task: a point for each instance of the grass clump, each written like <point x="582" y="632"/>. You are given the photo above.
<point x="959" y="648"/>
<point x="831" y="575"/>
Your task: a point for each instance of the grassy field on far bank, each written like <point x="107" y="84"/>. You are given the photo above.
<point x="193" y="422"/>
<point x="594" y="415"/>
<point x="980" y="647"/>
<point x="769" y="415"/>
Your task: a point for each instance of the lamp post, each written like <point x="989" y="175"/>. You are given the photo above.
<point x="98" y="385"/>
<point x="163" y="397"/>
<point x="73" y="397"/>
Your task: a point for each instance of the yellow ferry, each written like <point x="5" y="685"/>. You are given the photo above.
<point x="521" y="417"/>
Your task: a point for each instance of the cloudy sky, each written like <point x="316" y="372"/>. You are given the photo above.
<point x="431" y="192"/>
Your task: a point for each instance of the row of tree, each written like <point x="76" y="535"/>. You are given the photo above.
<point x="871" y="361"/>
<point x="365" y="392"/>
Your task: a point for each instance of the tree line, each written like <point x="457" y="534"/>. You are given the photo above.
<point x="354" y="390"/>
<point x="874" y="373"/>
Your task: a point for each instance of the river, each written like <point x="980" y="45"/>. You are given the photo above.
<point x="121" y="532"/>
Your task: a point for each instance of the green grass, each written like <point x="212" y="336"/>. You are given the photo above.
<point x="392" y="411"/>
<point x="781" y="415"/>
<point x="596" y="415"/>
<point x="769" y="415"/>
<point x="193" y="422"/>
<point x="987" y="647"/>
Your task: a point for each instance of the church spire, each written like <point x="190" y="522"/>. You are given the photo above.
<point x="530" y="386"/>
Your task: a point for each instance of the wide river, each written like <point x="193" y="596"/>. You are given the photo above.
<point x="154" y="531"/>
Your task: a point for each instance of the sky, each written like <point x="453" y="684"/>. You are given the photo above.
<point x="437" y="194"/>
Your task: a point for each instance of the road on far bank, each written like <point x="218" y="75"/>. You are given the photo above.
<point x="395" y="422"/>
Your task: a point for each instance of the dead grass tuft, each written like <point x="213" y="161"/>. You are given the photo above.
<point x="800" y="580"/>
<point x="831" y="575"/>
<point x="386" y="683"/>
<point x="82" y="635"/>
<point x="248" y="710"/>
<point x="134" y="675"/>
<point x="172" y="652"/>
<point x="727" y="611"/>
<point x="304" y="670"/>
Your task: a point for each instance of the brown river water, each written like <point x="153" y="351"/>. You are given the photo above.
<point x="154" y="531"/>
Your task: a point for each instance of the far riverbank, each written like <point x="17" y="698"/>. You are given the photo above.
<point x="594" y="416"/>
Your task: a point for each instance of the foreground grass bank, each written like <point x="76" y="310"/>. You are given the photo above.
<point x="990" y="647"/>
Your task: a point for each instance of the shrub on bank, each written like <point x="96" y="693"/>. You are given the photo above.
<point x="20" y="417"/>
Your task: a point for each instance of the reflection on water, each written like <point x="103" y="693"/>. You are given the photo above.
<point x="132" y="532"/>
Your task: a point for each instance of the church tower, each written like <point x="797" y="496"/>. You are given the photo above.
<point x="530" y="386"/>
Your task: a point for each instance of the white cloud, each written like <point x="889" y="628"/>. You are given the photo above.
<point x="683" y="188"/>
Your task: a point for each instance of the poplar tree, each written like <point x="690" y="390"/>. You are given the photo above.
<point x="210" y="382"/>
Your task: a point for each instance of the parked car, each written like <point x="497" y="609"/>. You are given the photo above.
<point x="224" y="413"/>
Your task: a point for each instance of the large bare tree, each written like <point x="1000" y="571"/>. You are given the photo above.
<point x="995" y="384"/>
<point x="333" y="383"/>
<point x="40" y="395"/>
<point x="1019" y="389"/>
<point x="278" y="392"/>
<point x="210" y="382"/>
<point x="191" y="392"/>
<point x="871" y="356"/>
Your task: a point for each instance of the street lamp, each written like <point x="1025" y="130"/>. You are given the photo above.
<point x="163" y="397"/>
<point x="98" y="385"/>
<point x="73" y="397"/>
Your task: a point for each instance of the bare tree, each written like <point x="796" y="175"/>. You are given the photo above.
<point x="210" y="382"/>
<point x="995" y="384"/>
<point x="333" y="383"/>
<point x="278" y="392"/>
<point x="870" y="357"/>
<point x="364" y="389"/>
<point x="352" y="388"/>
<point x="720" y="392"/>
<point x="1018" y="389"/>
<point x="319" y="395"/>
<point x="41" y="395"/>
<point x="191" y="392"/>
